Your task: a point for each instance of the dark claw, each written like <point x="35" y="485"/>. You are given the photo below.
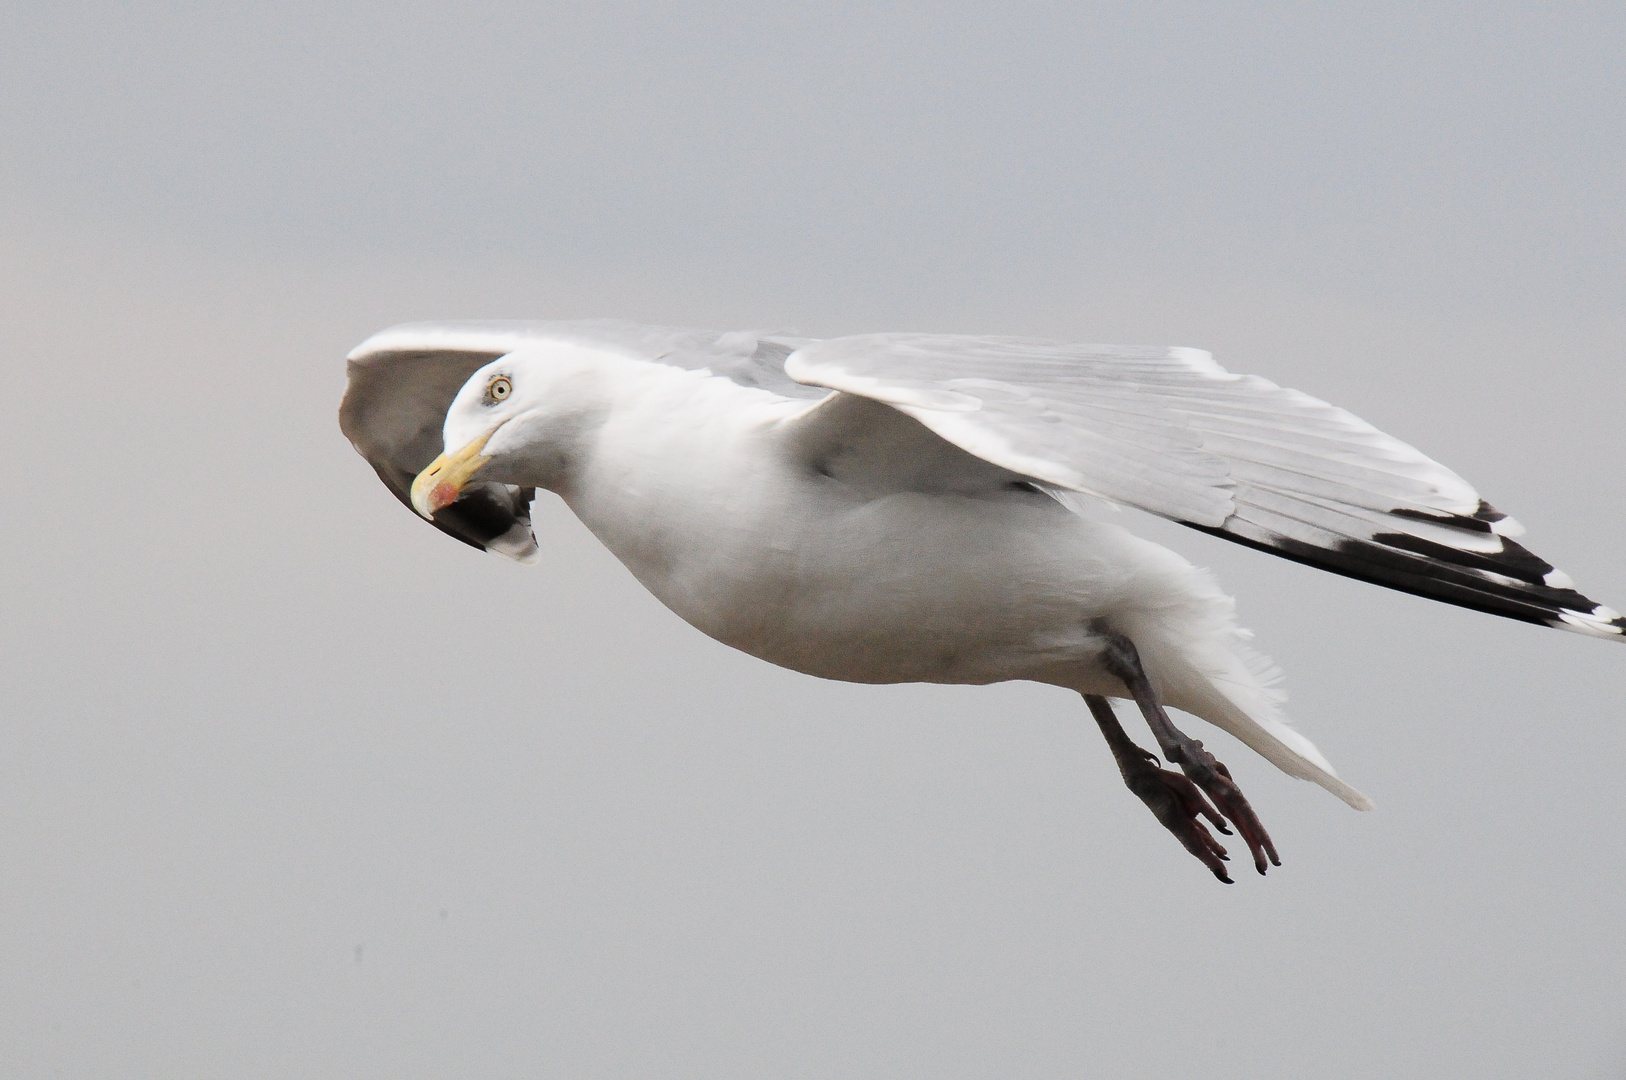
<point x="1177" y="801"/>
<point x="1180" y="806"/>
<point x="1211" y="775"/>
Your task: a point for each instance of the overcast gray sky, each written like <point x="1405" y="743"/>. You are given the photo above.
<point x="294" y="786"/>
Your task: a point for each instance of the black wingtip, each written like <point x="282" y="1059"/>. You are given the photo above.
<point x="1511" y="582"/>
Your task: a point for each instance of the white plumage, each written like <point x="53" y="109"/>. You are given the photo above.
<point x="901" y="507"/>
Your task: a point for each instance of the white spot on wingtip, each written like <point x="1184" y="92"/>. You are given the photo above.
<point x="1601" y="622"/>
<point x="1557" y="579"/>
<point x="1508" y="527"/>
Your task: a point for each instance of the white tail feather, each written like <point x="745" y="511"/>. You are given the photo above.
<point x="1199" y="661"/>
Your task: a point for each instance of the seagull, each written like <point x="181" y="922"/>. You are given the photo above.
<point x="910" y="507"/>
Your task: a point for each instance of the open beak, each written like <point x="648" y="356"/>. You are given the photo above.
<point x="439" y="485"/>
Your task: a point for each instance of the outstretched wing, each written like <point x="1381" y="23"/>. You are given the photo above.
<point x="1170" y="431"/>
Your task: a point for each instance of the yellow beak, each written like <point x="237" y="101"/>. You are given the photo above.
<point x="439" y="485"/>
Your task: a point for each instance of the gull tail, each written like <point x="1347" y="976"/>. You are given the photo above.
<point x="1199" y="661"/>
<point x="1236" y="694"/>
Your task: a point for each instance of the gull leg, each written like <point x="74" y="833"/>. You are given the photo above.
<point x="1173" y="799"/>
<point x="1204" y="769"/>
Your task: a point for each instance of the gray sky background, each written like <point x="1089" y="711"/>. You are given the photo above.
<point x="295" y="786"/>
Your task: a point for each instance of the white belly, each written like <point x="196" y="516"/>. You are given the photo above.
<point x="907" y="587"/>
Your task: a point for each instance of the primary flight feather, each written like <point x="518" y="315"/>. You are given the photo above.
<point x="902" y="507"/>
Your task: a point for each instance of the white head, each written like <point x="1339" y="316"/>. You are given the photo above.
<point x="516" y="421"/>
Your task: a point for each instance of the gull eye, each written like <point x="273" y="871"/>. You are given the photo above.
<point x="500" y="388"/>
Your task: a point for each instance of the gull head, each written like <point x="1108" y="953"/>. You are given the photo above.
<point x="512" y="422"/>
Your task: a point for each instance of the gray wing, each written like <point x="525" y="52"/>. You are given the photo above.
<point x="1170" y="431"/>
<point x="393" y="410"/>
<point x="402" y="381"/>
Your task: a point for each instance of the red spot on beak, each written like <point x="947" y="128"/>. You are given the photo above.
<point x="441" y="496"/>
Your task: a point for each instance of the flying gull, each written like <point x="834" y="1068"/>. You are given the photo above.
<point x="908" y="508"/>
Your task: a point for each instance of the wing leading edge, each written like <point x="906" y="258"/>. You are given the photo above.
<point x="403" y="379"/>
